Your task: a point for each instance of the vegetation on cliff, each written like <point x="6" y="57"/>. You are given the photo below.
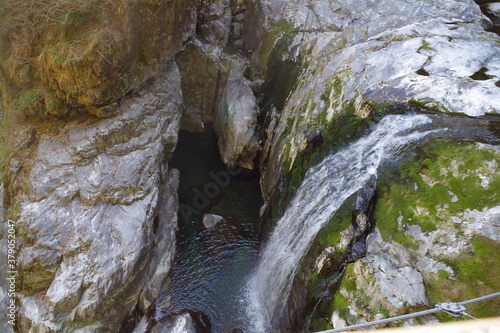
<point x="57" y="56"/>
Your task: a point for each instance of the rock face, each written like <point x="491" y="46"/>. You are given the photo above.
<point x="98" y="227"/>
<point x="202" y="74"/>
<point x="217" y="91"/>
<point x="164" y="249"/>
<point x="354" y="58"/>
<point x="89" y="225"/>
<point x="359" y="53"/>
<point x="236" y="122"/>
<point x="434" y="245"/>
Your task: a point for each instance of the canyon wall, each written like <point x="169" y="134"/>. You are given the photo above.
<point x="95" y="94"/>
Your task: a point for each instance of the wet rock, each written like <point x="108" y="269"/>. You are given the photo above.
<point x="418" y="269"/>
<point x="236" y="122"/>
<point x="183" y="322"/>
<point x="376" y="53"/>
<point x="163" y="252"/>
<point x="211" y="220"/>
<point x="96" y="191"/>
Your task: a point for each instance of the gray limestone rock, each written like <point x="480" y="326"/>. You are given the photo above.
<point x="431" y="52"/>
<point x="214" y="22"/>
<point x="400" y="283"/>
<point x="203" y="71"/>
<point x="163" y="253"/>
<point x="236" y="121"/>
<point x="96" y="191"/>
<point x="211" y="220"/>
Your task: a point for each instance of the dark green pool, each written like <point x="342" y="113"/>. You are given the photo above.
<point x="211" y="265"/>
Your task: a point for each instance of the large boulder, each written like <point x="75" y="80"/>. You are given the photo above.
<point x="435" y="239"/>
<point x="236" y="121"/>
<point x="88" y="229"/>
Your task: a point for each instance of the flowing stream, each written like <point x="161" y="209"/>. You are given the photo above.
<point x="322" y="192"/>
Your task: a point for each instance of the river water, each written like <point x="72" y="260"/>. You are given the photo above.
<point x="325" y="187"/>
<point x="211" y="265"/>
<point x="219" y="271"/>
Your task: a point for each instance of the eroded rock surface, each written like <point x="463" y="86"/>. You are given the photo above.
<point x="88" y="226"/>
<point x="431" y="52"/>
<point x="433" y="250"/>
<point x="236" y="122"/>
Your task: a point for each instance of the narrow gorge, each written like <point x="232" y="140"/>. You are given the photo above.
<point x="246" y="166"/>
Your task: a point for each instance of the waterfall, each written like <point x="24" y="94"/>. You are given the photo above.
<point x="323" y="190"/>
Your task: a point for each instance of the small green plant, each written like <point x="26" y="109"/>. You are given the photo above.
<point x="14" y="209"/>
<point x="25" y="100"/>
<point x="425" y="45"/>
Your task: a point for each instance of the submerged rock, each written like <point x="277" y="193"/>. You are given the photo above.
<point x="88" y="227"/>
<point x="211" y="220"/>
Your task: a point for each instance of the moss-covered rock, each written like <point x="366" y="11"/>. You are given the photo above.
<point x="437" y="216"/>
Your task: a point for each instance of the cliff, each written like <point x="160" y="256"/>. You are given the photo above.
<point x="95" y="93"/>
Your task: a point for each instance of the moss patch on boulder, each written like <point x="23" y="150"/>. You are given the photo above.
<point x="437" y="205"/>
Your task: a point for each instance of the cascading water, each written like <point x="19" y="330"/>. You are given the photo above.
<point x="323" y="190"/>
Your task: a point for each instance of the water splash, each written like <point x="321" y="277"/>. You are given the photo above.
<point x="322" y="192"/>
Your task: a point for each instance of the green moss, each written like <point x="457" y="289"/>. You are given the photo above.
<point x="428" y="226"/>
<point x="318" y="324"/>
<point x="28" y="102"/>
<point x="282" y="75"/>
<point x="443" y="167"/>
<point x="425" y="45"/>
<point x="349" y="281"/>
<point x="330" y="234"/>
<point x="428" y="106"/>
<point x="339" y="302"/>
<point x="476" y="275"/>
<point x="422" y="191"/>
<point x="481" y="75"/>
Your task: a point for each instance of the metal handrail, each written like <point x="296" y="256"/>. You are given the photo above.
<point x="455" y="309"/>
